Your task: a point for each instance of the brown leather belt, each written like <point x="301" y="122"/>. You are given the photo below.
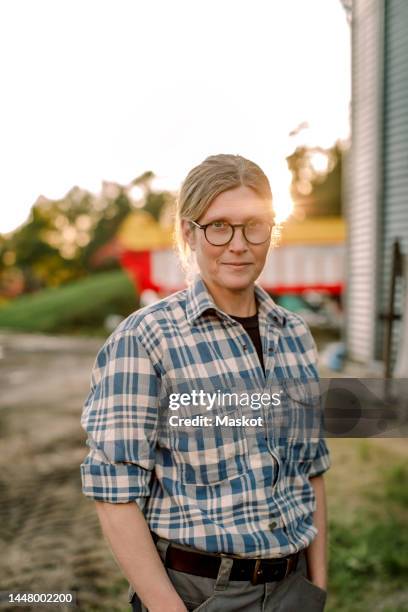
<point x="257" y="571"/>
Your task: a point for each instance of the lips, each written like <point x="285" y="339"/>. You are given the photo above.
<point x="237" y="265"/>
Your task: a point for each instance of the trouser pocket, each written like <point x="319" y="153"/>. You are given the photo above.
<point x="195" y="591"/>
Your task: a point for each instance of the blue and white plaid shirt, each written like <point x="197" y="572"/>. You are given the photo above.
<point x="218" y="489"/>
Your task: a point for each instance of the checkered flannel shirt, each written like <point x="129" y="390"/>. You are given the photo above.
<point x="228" y="490"/>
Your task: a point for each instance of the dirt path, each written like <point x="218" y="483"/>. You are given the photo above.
<point x="47" y="527"/>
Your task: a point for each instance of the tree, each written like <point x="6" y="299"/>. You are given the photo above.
<point x="113" y="213"/>
<point x="316" y="184"/>
<point x="61" y="238"/>
<point x="40" y="262"/>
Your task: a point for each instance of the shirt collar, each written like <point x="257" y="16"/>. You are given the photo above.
<point x="199" y="301"/>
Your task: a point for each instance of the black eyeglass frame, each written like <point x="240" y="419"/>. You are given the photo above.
<point x="233" y="226"/>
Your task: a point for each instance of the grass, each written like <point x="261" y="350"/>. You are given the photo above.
<point x="369" y="557"/>
<point x="79" y="307"/>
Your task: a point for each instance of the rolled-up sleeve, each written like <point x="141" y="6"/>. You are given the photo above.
<point x="321" y="461"/>
<point x="120" y="417"/>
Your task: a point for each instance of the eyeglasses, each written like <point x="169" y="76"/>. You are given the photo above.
<point x="220" y="233"/>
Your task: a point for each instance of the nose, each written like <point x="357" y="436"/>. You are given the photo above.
<point x="238" y="242"/>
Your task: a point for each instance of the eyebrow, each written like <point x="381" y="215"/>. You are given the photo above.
<point x="262" y="217"/>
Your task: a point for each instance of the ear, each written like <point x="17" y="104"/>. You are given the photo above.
<point x="188" y="233"/>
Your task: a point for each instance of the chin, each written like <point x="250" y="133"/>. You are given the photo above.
<point x="236" y="282"/>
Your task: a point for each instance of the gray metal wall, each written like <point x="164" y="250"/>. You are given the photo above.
<point x="364" y="180"/>
<point x="395" y="138"/>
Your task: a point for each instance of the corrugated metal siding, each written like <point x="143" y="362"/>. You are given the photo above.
<point x="363" y="185"/>
<point x="395" y="210"/>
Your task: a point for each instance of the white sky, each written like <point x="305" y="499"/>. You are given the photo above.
<point x="104" y="89"/>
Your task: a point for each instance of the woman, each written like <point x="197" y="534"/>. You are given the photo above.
<point x="206" y="504"/>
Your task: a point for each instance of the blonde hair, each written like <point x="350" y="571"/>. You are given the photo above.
<point x="216" y="174"/>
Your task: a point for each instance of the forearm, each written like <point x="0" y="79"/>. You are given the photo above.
<point x="317" y="551"/>
<point x="127" y="532"/>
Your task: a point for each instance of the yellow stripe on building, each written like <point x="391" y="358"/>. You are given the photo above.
<point x="141" y="232"/>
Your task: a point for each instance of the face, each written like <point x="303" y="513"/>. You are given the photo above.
<point x="233" y="267"/>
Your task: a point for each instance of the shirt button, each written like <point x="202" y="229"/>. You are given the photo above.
<point x="244" y="346"/>
<point x="273" y="525"/>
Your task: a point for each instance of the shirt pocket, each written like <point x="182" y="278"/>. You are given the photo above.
<point x="299" y="423"/>
<point x="206" y="452"/>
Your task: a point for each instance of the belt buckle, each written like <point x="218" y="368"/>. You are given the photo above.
<point x="256" y="573"/>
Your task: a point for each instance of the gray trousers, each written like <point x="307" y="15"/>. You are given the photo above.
<point x="292" y="594"/>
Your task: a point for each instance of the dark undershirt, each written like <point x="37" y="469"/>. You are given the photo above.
<point x="251" y="326"/>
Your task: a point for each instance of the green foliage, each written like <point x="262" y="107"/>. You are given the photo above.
<point x="155" y="203"/>
<point x="396" y="487"/>
<point x="81" y="306"/>
<point x="66" y="239"/>
<point x="370" y="552"/>
<point x="316" y="192"/>
<point x="105" y="228"/>
<point x="376" y="548"/>
<point x="38" y="260"/>
<point x="373" y="551"/>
